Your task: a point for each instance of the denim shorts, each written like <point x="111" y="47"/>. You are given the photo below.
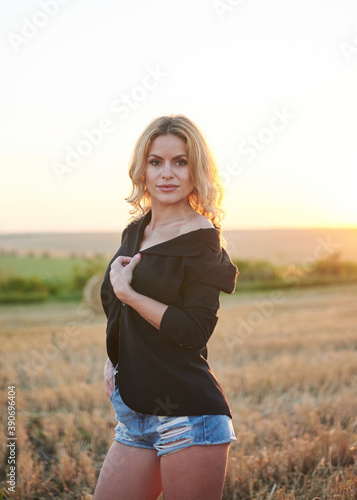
<point x="168" y="434"/>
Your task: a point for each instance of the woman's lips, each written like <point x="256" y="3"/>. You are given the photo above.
<point x="168" y="187"/>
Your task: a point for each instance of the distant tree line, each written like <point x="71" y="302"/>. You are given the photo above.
<point x="253" y="275"/>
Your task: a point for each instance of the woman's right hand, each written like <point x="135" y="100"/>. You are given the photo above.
<point x="108" y="377"/>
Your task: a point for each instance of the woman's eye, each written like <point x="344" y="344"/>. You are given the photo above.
<point x="181" y="163"/>
<point x="155" y="163"/>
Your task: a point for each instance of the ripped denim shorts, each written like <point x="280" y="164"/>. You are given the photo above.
<point x="168" y="434"/>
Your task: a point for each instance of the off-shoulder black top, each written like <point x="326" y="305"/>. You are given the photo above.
<point x="165" y="371"/>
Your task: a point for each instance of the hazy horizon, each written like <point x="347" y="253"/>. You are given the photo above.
<point x="99" y="231"/>
<point x="284" y="246"/>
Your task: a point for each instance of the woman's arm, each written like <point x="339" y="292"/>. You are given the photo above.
<point x="150" y="309"/>
<point x="189" y="326"/>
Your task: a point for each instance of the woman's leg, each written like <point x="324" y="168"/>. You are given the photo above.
<point x="129" y="473"/>
<point x="194" y="473"/>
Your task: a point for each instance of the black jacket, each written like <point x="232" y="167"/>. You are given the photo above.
<point x="165" y="371"/>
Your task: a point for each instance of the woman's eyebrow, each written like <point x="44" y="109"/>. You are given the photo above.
<point x="174" y="158"/>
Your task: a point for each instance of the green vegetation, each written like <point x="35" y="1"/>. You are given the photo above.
<point x="37" y="278"/>
<point x="42" y="266"/>
<point x="263" y="275"/>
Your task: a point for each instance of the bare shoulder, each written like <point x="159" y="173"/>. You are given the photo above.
<point x="197" y="222"/>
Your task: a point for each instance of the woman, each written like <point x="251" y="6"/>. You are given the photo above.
<point x="161" y="294"/>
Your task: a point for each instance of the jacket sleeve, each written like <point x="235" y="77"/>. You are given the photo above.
<point x="191" y="325"/>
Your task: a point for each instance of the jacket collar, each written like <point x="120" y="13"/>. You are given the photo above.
<point x="185" y="245"/>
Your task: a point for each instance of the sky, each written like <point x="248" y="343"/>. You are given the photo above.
<point x="271" y="84"/>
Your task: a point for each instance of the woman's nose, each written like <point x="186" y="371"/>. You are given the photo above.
<point x="167" y="171"/>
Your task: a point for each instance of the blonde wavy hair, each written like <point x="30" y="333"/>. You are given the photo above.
<point x="206" y="196"/>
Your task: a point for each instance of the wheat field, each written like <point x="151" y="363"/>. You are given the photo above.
<point x="287" y="363"/>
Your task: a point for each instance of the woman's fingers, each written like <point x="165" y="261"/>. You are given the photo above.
<point x="117" y="267"/>
<point x="109" y="377"/>
<point x="109" y="387"/>
<point x="121" y="272"/>
<point x="135" y="260"/>
<point x="121" y="261"/>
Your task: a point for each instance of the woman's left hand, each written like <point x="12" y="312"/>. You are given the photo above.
<point x="121" y="274"/>
<point x="109" y="377"/>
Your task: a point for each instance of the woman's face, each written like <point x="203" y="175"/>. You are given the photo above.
<point x="167" y="174"/>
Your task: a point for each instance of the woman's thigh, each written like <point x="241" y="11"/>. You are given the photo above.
<point x="194" y="473"/>
<point x="129" y="473"/>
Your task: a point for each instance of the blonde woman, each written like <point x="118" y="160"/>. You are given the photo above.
<point x="161" y="294"/>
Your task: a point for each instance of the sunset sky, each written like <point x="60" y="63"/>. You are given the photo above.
<point x="271" y="84"/>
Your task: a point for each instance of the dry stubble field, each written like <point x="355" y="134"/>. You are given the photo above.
<point x="287" y="363"/>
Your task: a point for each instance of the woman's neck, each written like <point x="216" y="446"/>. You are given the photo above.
<point x="170" y="215"/>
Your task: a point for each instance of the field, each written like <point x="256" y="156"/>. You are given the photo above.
<point x="53" y="268"/>
<point x="35" y="277"/>
<point x="279" y="246"/>
<point x="286" y="360"/>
